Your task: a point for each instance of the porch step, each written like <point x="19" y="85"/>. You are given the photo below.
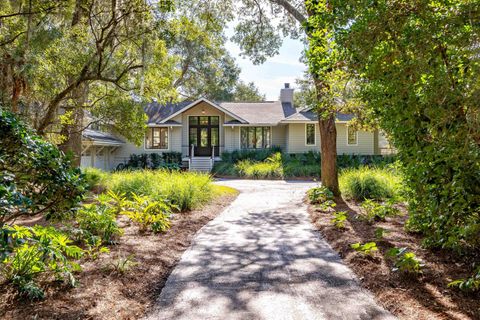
<point x="201" y="164"/>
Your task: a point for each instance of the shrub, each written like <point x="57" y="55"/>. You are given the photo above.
<point x="339" y="219"/>
<point x="369" y="183"/>
<point x="405" y="261"/>
<point x="319" y="194"/>
<point x="470" y="284"/>
<point x="97" y="223"/>
<point x="270" y="168"/>
<point x="366" y="249"/>
<point x="30" y="252"/>
<point x="35" y="176"/>
<point x="95" y="179"/>
<point x="375" y="211"/>
<point x="148" y="213"/>
<point x="184" y="190"/>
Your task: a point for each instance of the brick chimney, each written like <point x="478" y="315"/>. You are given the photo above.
<point x="286" y="94"/>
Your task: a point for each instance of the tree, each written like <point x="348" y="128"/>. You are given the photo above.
<point x="63" y="49"/>
<point x="247" y="92"/>
<point x="420" y="78"/>
<point x="261" y="28"/>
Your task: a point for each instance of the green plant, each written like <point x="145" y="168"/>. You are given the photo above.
<point x="97" y="222"/>
<point x="184" y="190"/>
<point x="471" y="283"/>
<point x="368" y="248"/>
<point x="35" y="176"/>
<point x="375" y="211"/>
<point x="405" y="261"/>
<point x="339" y="219"/>
<point x="380" y="233"/>
<point x="30" y="251"/>
<point x="94" y="178"/>
<point x="370" y="183"/>
<point x="149" y="214"/>
<point x="319" y="195"/>
<point x="123" y="265"/>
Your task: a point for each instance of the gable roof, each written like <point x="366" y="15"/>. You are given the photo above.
<point x="243" y="113"/>
<point x="192" y="104"/>
<point x="307" y="115"/>
<point x="268" y="112"/>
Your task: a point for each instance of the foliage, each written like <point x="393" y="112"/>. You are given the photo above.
<point x="35" y="177"/>
<point x="123" y="265"/>
<point x="339" y="219"/>
<point x="270" y="168"/>
<point x="374" y="211"/>
<point x="148" y="213"/>
<point x="94" y="178"/>
<point x="319" y="194"/>
<point x="247" y="92"/>
<point x="368" y="248"/>
<point x="471" y="283"/>
<point x="97" y="224"/>
<point x="380" y="233"/>
<point x="419" y="68"/>
<point x="165" y="160"/>
<point x="405" y="261"/>
<point x="370" y="183"/>
<point x="28" y="252"/>
<point x="184" y="190"/>
<point x="293" y="165"/>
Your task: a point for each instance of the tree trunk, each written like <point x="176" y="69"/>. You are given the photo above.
<point x="328" y="143"/>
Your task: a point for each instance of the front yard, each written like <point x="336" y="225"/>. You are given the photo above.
<point x="126" y="259"/>
<point x="368" y="228"/>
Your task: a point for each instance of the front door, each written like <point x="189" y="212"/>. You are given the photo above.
<point x="204" y="133"/>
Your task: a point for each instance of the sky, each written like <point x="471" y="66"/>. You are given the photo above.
<point x="270" y="76"/>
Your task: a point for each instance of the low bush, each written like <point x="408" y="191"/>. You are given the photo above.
<point x="471" y="283"/>
<point x="368" y="248"/>
<point x="184" y="190"/>
<point x="370" y="183"/>
<point x="405" y="261"/>
<point x="29" y="252"/>
<point x="374" y="211"/>
<point x="97" y="224"/>
<point x="95" y="178"/>
<point x="148" y="213"/>
<point x="165" y="160"/>
<point x="319" y="194"/>
<point x="270" y="168"/>
<point x="339" y="219"/>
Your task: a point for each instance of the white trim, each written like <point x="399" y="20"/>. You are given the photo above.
<point x="251" y="124"/>
<point x="307" y="121"/>
<point x="157" y="149"/>
<point x="356" y="138"/>
<point x="314" y="135"/>
<point x="206" y="101"/>
<point x="240" y="138"/>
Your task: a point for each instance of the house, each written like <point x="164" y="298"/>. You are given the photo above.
<point x="201" y="130"/>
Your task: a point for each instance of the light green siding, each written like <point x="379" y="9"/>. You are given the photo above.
<point x="297" y="140"/>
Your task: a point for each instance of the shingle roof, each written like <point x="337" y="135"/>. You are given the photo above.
<point x="309" y="115"/>
<point x="100" y="136"/>
<point x="268" y="112"/>
<point x="260" y="112"/>
<point x="157" y="112"/>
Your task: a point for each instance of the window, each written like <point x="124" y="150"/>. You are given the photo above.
<point x="157" y="138"/>
<point x="255" y="137"/>
<point x="310" y="134"/>
<point x="352" y="136"/>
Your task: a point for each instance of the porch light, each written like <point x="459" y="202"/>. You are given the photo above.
<point x="203" y="111"/>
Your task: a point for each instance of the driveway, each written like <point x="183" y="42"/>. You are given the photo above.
<point x="263" y="259"/>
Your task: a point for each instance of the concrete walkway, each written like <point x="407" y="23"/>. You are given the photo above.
<point x="262" y="259"/>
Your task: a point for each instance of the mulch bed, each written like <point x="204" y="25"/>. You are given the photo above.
<point x="425" y="296"/>
<point x="102" y="292"/>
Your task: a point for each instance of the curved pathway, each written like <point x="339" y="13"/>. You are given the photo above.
<point x="263" y="259"/>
